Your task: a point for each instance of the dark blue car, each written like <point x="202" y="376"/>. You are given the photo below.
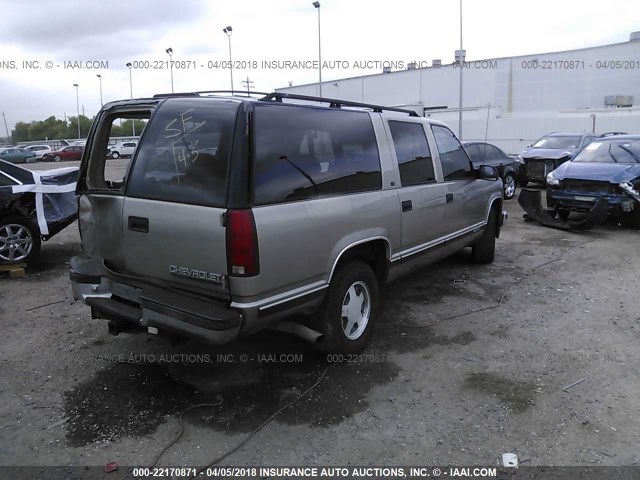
<point x="607" y="168"/>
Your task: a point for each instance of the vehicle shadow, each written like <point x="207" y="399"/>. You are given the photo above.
<point x="255" y="375"/>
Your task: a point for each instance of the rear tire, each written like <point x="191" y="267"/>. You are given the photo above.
<point x="19" y="240"/>
<point x="56" y="158"/>
<point x="115" y="155"/>
<point x="350" y="309"/>
<point x="484" y="250"/>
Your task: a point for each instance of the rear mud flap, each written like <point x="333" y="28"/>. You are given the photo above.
<point x="531" y="202"/>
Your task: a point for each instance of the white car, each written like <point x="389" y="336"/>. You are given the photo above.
<point x="125" y="149"/>
<point x="39" y="150"/>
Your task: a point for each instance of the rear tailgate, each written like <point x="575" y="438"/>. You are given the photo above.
<point x="173" y="227"/>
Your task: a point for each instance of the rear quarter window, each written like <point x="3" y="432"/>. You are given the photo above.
<point x="183" y="156"/>
<point x="307" y="152"/>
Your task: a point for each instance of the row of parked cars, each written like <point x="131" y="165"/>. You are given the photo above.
<point x="577" y="169"/>
<point x="40" y="153"/>
<point x="44" y="153"/>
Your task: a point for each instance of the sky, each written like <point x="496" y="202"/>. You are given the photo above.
<point x="356" y="35"/>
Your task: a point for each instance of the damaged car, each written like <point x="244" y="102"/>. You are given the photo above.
<point x="548" y="153"/>
<point x="34" y="206"/>
<point x="609" y="169"/>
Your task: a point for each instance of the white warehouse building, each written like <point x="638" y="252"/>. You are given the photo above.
<point x="512" y="101"/>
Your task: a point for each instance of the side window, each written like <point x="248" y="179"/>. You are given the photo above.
<point x="6" y="181"/>
<point x="307" y="152"/>
<point x="412" y="151"/>
<point x="492" y="153"/>
<point x="455" y="162"/>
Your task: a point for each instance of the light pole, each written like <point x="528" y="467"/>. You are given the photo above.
<point x="77" y="107"/>
<point x="227" y="31"/>
<point x="460" y="54"/>
<point x="133" y="122"/>
<point x="170" y="52"/>
<point x="317" y="5"/>
<point x="6" y="128"/>
<point x="100" y="78"/>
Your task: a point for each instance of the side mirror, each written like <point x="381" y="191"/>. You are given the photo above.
<point x="487" y="172"/>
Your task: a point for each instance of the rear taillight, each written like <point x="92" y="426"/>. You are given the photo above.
<point x="242" y="244"/>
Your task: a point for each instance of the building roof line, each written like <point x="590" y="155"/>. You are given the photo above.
<point x="515" y="57"/>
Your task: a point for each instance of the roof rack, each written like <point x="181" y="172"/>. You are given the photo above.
<point x="334" y="103"/>
<point x="242" y="93"/>
<point x="279" y="96"/>
<point x="612" y="134"/>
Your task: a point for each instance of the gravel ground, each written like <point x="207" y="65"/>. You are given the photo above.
<point x="468" y="362"/>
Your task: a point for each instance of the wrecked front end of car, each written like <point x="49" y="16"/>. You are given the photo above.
<point x="531" y="203"/>
<point x="606" y="171"/>
<point x="581" y="196"/>
<point x="537" y="165"/>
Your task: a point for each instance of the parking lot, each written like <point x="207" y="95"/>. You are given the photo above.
<point x="535" y="354"/>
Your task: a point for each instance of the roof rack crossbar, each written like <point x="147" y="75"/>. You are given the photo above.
<point x="334" y="103"/>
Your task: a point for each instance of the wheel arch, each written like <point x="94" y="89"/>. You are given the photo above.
<point x="495" y="204"/>
<point x="375" y="251"/>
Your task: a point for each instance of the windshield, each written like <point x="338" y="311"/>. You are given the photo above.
<point x="611" y="151"/>
<point x="558" y="142"/>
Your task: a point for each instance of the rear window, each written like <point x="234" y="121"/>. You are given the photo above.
<point x="306" y="152"/>
<point x="183" y="156"/>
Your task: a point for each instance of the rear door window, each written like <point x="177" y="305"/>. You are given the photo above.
<point x="412" y="152"/>
<point x="184" y="154"/>
<point x="307" y="152"/>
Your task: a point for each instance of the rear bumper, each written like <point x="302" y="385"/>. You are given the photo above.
<point x="151" y="308"/>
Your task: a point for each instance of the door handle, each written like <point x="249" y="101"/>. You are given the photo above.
<point x="407" y="206"/>
<point x="449" y="197"/>
<point x="139" y="224"/>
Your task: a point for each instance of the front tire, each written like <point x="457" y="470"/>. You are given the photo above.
<point x="348" y="314"/>
<point x="115" y="155"/>
<point x="631" y="219"/>
<point x="509" y="186"/>
<point x="484" y="250"/>
<point x="19" y="240"/>
<point x="564" y="215"/>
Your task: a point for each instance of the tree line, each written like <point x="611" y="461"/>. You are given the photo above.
<point x="56" y="129"/>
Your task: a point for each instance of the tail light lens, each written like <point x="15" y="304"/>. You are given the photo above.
<point x="242" y="244"/>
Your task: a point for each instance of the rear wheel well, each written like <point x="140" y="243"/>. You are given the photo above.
<point x="497" y="206"/>
<point x="373" y="253"/>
